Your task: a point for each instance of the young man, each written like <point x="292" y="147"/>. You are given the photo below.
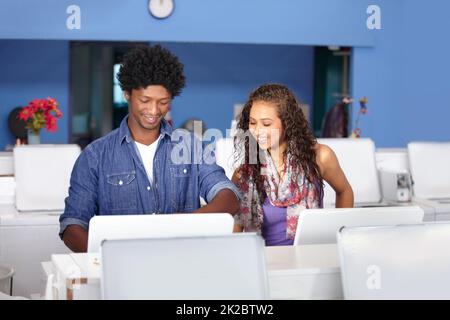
<point x="134" y="169"/>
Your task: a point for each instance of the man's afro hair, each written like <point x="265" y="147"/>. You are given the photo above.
<point x="144" y="66"/>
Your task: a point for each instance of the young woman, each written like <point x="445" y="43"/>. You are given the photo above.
<point x="283" y="166"/>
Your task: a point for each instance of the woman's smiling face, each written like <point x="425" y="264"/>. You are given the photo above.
<point x="265" y="125"/>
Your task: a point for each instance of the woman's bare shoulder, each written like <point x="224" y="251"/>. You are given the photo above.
<point x="324" y="153"/>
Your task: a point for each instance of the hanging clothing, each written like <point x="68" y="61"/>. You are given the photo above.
<point x="335" y="124"/>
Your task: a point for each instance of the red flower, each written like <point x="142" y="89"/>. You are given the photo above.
<point x="25" y="114"/>
<point x="58" y="113"/>
<point x="40" y="113"/>
<point x="50" y="123"/>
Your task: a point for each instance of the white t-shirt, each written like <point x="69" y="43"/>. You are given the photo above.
<point x="147" y="155"/>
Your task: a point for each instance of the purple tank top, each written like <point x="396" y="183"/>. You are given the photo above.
<point x="274" y="225"/>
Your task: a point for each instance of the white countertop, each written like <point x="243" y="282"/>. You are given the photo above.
<point x="294" y="272"/>
<point x="10" y="216"/>
<point x="316" y="258"/>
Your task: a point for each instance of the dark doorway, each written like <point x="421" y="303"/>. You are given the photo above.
<point x="331" y="82"/>
<point x="96" y="107"/>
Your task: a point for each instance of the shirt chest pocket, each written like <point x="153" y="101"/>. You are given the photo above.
<point x="182" y="195"/>
<point x="122" y="191"/>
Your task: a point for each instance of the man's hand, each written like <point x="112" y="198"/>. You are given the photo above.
<point x="75" y="238"/>
<point x="224" y="201"/>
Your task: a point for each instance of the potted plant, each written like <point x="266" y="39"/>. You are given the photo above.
<point x="38" y="114"/>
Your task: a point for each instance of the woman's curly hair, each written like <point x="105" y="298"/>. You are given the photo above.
<point x="144" y="66"/>
<point x="300" y="141"/>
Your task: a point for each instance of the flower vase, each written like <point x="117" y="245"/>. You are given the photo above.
<point x="33" y="138"/>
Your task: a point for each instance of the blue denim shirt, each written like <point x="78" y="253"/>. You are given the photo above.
<point x="109" y="178"/>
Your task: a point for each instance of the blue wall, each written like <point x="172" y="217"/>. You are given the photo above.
<point x="311" y="22"/>
<point x="233" y="21"/>
<point x="405" y="75"/>
<point x="219" y="75"/>
<point x="29" y="70"/>
<point x="402" y="69"/>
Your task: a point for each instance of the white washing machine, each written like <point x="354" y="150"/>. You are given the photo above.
<point x="26" y="240"/>
<point x="31" y="201"/>
<point x="431" y="175"/>
<point x="361" y="163"/>
<point x="6" y="163"/>
<point x="7" y="180"/>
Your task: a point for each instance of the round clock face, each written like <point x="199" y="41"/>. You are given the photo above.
<point x="161" y="8"/>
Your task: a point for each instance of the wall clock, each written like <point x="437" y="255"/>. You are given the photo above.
<point x="161" y="9"/>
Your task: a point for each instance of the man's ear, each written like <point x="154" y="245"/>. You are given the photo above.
<point x="127" y="95"/>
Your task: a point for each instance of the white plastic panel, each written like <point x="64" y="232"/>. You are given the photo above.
<point x="402" y="262"/>
<point x="317" y="226"/>
<point x="42" y="175"/>
<point x="430" y="170"/>
<point x="153" y="226"/>
<point x="206" y="268"/>
<point x="392" y="159"/>
<point x="357" y="160"/>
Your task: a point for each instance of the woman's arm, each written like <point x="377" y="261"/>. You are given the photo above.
<point x="332" y="173"/>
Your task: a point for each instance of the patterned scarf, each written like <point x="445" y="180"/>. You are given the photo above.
<point x="295" y="195"/>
